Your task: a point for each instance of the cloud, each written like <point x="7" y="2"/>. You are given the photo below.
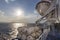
<point x="1" y="13"/>
<point x="8" y="1"/>
<point x="31" y="18"/>
<point x="25" y="19"/>
<point x="35" y="11"/>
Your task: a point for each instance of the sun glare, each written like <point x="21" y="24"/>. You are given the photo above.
<point x="19" y="12"/>
<point x="16" y="25"/>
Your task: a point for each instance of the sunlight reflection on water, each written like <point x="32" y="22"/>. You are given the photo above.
<point x="15" y="26"/>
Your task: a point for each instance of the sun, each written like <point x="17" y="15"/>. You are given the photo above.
<point x="19" y="12"/>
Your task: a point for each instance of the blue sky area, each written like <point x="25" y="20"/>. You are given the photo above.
<point x="8" y="8"/>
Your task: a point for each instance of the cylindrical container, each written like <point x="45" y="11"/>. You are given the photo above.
<point x="42" y="7"/>
<point x="48" y="0"/>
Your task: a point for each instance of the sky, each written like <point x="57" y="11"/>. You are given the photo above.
<point x="18" y="11"/>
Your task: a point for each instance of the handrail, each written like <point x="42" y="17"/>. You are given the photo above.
<point x="44" y="34"/>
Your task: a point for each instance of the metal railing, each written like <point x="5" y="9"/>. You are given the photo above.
<point x="53" y="6"/>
